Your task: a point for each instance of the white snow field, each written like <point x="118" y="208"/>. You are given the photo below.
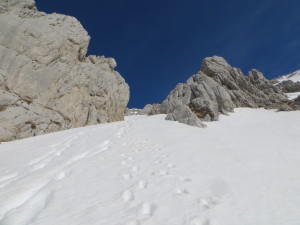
<point x="295" y="77"/>
<point x="292" y="95"/>
<point x="241" y="170"/>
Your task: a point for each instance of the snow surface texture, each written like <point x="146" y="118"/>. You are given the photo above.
<point x="295" y="77"/>
<point x="292" y="95"/>
<point x="242" y="170"/>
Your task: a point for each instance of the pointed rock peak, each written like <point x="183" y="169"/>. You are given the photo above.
<point x="9" y="5"/>
<point x="216" y="59"/>
<point x="256" y="75"/>
<point x="215" y="64"/>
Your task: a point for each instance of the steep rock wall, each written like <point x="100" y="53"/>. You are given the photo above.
<point x="46" y="81"/>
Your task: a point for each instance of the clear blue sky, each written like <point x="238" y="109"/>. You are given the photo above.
<point x="160" y="43"/>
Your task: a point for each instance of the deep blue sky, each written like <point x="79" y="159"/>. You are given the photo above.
<point x="158" y="43"/>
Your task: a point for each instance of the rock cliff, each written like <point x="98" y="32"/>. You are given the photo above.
<point x="47" y="83"/>
<point x="219" y="88"/>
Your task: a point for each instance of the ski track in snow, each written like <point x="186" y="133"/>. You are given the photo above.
<point x="121" y="171"/>
<point x="21" y="206"/>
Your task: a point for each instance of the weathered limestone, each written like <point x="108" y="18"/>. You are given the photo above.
<point x="219" y="88"/>
<point x="46" y="81"/>
<point x="289" y="86"/>
<point x="296" y="103"/>
<point x="183" y="114"/>
<point x="151" y="109"/>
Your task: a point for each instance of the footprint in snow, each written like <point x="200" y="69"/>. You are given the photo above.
<point x="185" y="179"/>
<point x="207" y="203"/>
<point x="163" y="173"/>
<point x="147" y="209"/>
<point x="157" y="162"/>
<point x="160" y="173"/>
<point x="142" y="184"/>
<point x="164" y="156"/>
<point x="180" y="191"/>
<point x="135" y="169"/>
<point x="138" y="150"/>
<point x="170" y="165"/>
<point x="127" y="196"/>
<point x="58" y="153"/>
<point x="127" y="176"/>
<point x="198" y="221"/>
<point x="202" y="221"/>
<point x="120" y="132"/>
<point x="130" y="158"/>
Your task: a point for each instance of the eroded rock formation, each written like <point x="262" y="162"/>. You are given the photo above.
<point x="219" y="88"/>
<point x="289" y="86"/>
<point x="46" y="81"/>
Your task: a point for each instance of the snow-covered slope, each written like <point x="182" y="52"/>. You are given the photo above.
<point x="295" y="77"/>
<point x="242" y="170"/>
<point x="292" y="95"/>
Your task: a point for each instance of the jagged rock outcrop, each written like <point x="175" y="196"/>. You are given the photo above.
<point x="296" y="103"/>
<point x="151" y="109"/>
<point x="183" y="114"/>
<point x="288" y="83"/>
<point x="289" y="86"/>
<point x="219" y="88"/>
<point x="46" y="81"/>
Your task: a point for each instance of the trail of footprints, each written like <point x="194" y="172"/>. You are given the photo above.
<point x="161" y="168"/>
<point x="38" y="195"/>
<point x="143" y="211"/>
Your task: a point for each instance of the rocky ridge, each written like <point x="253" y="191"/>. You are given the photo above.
<point x="288" y="83"/>
<point x="47" y="83"/>
<point x="219" y="88"/>
<point x="149" y="110"/>
<point x="289" y="86"/>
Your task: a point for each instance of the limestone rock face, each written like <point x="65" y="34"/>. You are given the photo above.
<point x="288" y="83"/>
<point x="219" y="88"/>
<point x="289" y="86"/>
<point x="296" y="103"/>
<point x="151" y="109"/>
<point x="183" y="114"/>
<point x="46" y="81"/>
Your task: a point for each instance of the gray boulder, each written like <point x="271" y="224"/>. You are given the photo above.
<point x="183" y="114"/>
<point x="47" y="83"/>
<point x="151" y="109"/>
<point x="295" y="105"/>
